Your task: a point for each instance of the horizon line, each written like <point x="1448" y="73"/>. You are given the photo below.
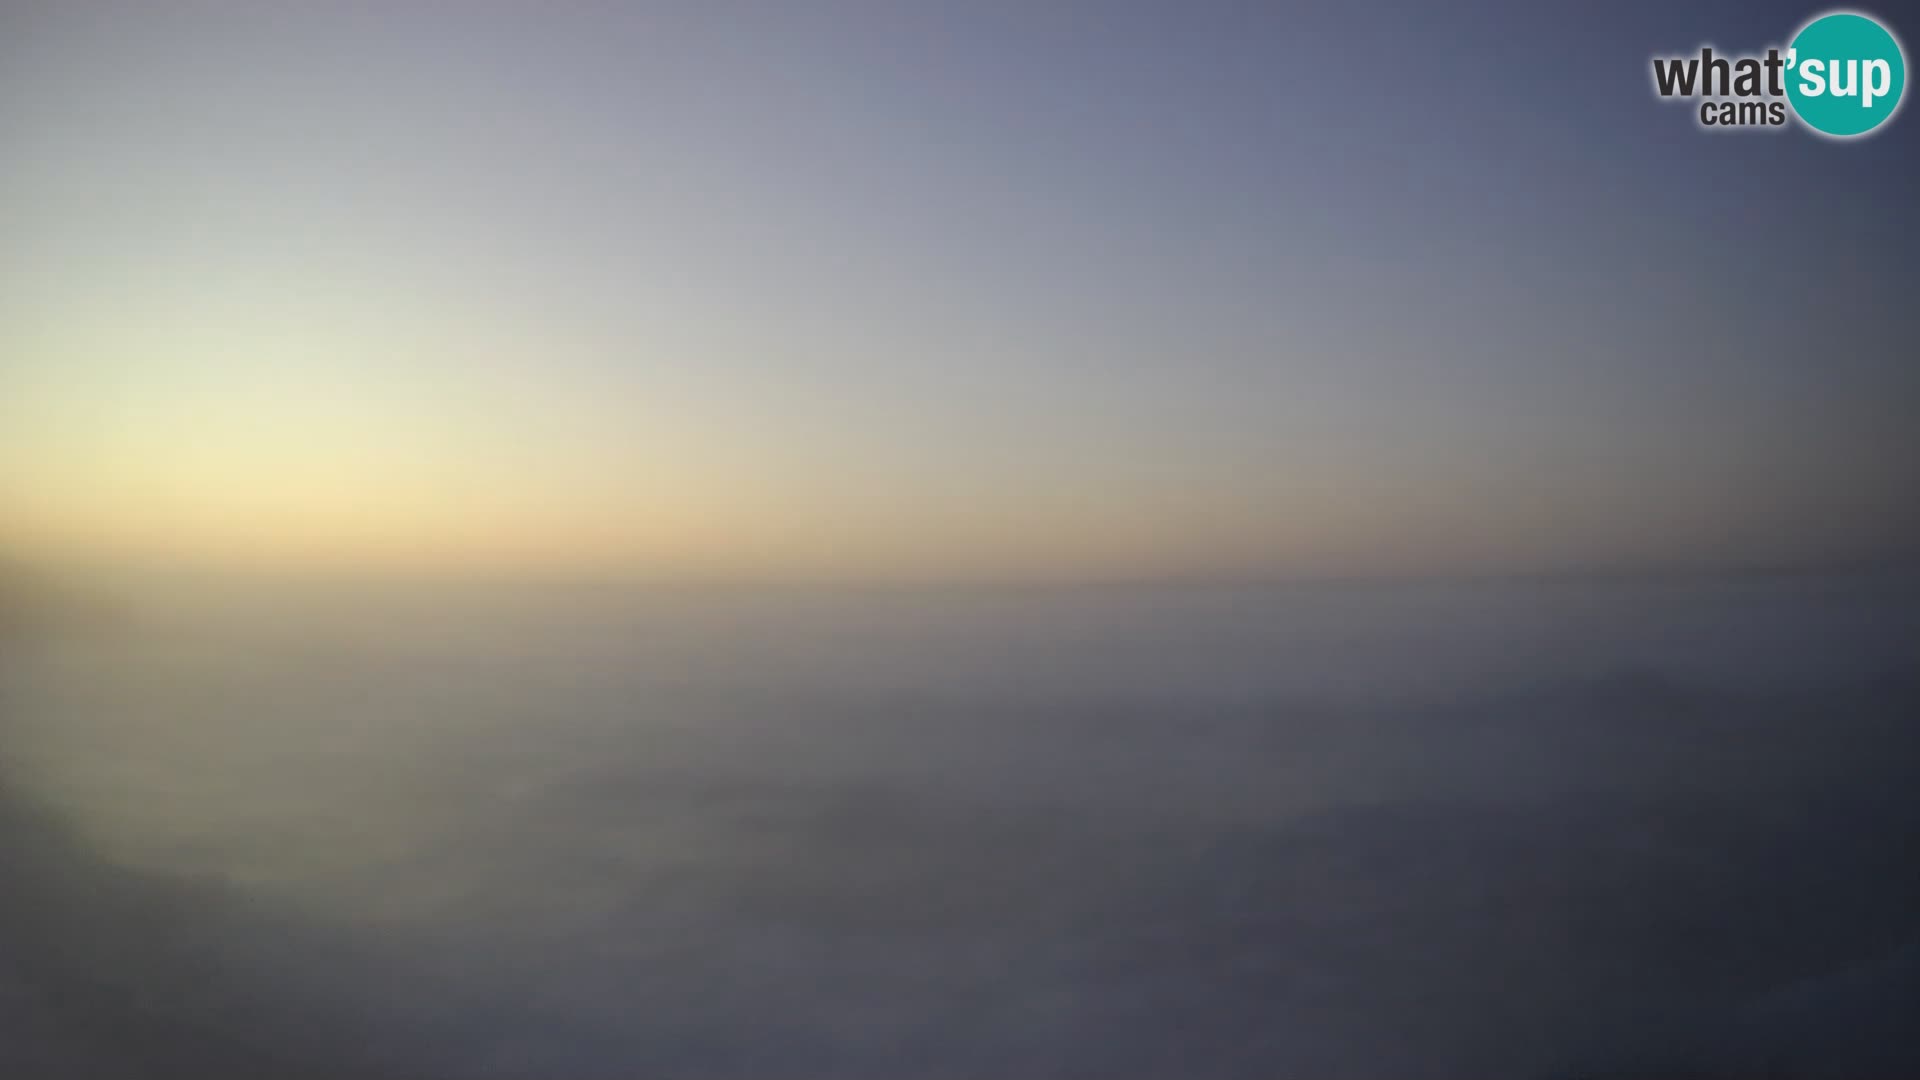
<point x="17" y="569"/>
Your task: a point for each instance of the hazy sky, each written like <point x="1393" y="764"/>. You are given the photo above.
<point x="895" y="289"/>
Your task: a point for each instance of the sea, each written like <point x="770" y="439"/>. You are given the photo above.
<point x="1543" y="828"/>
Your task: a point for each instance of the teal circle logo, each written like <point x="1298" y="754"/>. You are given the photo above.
<point x="1845" y="74"/>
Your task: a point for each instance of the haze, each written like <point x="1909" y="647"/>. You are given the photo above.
<point x="869" y="291"/>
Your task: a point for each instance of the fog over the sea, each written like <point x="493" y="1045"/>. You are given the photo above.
<point x="708" y="539"/>
<point x="1544" y="830"/>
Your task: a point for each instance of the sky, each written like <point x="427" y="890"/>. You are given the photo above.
<point x="959" y="291"/>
